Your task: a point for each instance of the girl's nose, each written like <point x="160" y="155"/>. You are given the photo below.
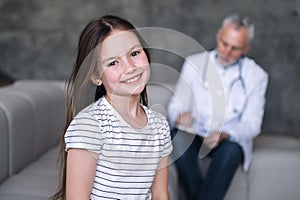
<point x="128" y="65"/>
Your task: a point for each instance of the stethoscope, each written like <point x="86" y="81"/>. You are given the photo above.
<point x="236" y="84"/>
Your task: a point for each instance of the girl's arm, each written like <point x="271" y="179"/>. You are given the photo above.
<point x="81" y="169"/>
<point x="160" y="184"/>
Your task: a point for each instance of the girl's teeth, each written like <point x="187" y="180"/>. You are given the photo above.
<point x="133" y="79"/>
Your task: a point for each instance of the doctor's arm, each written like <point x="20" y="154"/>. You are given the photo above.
<point x="179" y="105"/>
<point x="250" y="123"/>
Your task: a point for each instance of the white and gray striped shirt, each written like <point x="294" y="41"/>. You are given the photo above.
<point x="128" y="157"/>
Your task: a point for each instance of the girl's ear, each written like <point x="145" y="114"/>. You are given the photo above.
<point x="96" y="80"/>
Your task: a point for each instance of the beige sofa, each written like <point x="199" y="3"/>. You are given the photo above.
<point x="32" y="114"/>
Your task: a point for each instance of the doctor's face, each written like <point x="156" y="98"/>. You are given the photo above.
<point x="232" y="43"/>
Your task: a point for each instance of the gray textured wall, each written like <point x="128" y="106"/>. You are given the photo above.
<point x="38" y="39"/>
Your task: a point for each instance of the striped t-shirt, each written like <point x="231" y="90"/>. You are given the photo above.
<point x="128" y="157"/>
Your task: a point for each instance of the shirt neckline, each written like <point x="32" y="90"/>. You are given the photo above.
<point x="123" y="121"/>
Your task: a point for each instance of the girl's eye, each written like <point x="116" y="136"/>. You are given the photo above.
<point x="135" y="53"/>
<point x="112" y="63"/>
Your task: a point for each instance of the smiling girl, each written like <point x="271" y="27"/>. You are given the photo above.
<point x="114" y="146"/>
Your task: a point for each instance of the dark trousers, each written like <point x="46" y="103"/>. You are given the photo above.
<point x="225" y="159"/>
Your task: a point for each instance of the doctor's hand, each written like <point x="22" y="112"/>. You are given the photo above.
<point x="214" y="138"/>
<point x="185" y="119"/>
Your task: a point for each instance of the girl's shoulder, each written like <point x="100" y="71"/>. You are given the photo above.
<point x="93" y="110"/>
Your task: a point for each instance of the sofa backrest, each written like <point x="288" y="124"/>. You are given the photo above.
<point x="159" y="95"/>
<point x="3" y="146"/>
<point x="32" y="114"/>
<point x="20" y="130"/>
<point x="48" y="96"/>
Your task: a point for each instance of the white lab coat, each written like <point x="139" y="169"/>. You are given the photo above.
<point x="221" y="103"/>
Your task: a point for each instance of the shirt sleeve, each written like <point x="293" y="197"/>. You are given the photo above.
<point x="84" y="133"/>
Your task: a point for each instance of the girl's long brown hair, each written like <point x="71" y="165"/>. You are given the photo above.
<point x="79" y="82"/>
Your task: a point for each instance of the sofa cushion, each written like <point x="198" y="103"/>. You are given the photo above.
<point x="239" y="186"/>
<point x="20" y="127"/>
<point x="276" y="142"/>
<point x="38" y="180"/>
<point x="274" y="173"/>
<point x="42" y="117"/>
<point x="3" y="146"/>
<point x="54" y="91"/>
<point x="32" y="115"/>
<point x="45" y="165"/>
<point x="27" y="184"/>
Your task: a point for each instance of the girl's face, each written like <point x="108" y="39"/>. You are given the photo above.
<point x="124" y="65"/>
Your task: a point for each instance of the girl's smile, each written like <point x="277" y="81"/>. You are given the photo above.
<point x="133" y="79"/>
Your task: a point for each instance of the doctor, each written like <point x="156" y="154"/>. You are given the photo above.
<point x="198" y="103"/>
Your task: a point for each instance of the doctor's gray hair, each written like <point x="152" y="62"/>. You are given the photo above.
<point x="240" y="22"/>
